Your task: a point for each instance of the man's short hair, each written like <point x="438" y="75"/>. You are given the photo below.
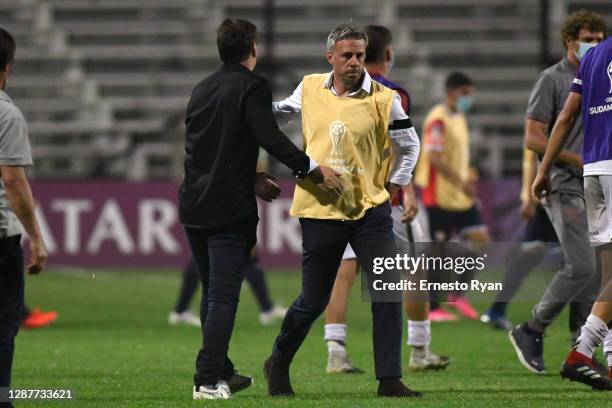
<point x="456" y="80"/>
<point x="379" y="38"/>
<point x="235" y="40"/>
<point x="7" y="49"/>
<point x="582" y="19"/>
<point x="345" y="32"/>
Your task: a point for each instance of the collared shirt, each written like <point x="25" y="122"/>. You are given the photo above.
<point x="14" y="151"/>
<point x="404" y="141"/>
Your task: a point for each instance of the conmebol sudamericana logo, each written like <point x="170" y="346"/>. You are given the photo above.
<point x="610" y="75"/>
<point x="336" y="133"/>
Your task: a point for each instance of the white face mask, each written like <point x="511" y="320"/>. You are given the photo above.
<point x="582" y="49"/>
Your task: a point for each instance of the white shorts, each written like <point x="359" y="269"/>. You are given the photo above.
<point x="598" y="196"/>
<point x="348" y="253"/>
<point x="400" y="231"/>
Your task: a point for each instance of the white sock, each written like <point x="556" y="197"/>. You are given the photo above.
<point x="419" y="333"/>
<point x="592" y="334"/>
<point x="336" y="332"/>
<point x="608" y="347"/>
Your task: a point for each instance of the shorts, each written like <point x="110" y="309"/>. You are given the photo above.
<point x="598" y="196"/>
<point x="348" y="253"/>
<point x="444" y="223"/>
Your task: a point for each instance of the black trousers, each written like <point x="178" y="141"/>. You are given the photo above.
<point x="220" y="254"/>
<point x="11" y="303"/>
<point x="254" y="276"/>
<point x="323" y="243"/>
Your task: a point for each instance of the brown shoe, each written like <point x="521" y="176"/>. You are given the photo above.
<point x="394" y="387"/>
<point x="276" y="372"/>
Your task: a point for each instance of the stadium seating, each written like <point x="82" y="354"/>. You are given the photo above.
<point x="104" y="83"/>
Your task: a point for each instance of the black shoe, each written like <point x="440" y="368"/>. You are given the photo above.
<point x="239" y="382"/>
<point x="394" y="387"/>
<point x="276" y="372"/>
<point x="529" y="346"/>
<point x="585" y="373"/>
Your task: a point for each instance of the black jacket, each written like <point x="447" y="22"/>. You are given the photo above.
<point x="229" y="116"/>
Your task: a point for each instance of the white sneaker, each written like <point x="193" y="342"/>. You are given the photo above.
<point x="276" y="313"/>
<point x="187" y="318"/>
<point x="338" y="362"/>
<point x="226" y="388"/>
<point x="221" y="391"/>
<point x="424" y="359"/>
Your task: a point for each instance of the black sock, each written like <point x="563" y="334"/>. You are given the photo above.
<point x="256" y="279"/>
<point x="189" y="285"/>
<point x="499" y="308"/>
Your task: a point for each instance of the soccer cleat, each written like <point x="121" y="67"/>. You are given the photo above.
<point x="578" y="367"/>
<point x="187" y="318"/>
<point x="239" y="382"/>
<point x="276" y="313"/>
<point x="394" y="387"/>
<point x="37" y="319"/>
<point x="424" y="359"/>
<point x="529" y="347"/>
<point x="498" y="322"/>
<point x="463" y="306"/>
<point x="219" y="391"/>
<point x="601" y="369"/>
<point x="339" y="363"/>
<point x="441" y="315"/>
<point x="276" y="373"/>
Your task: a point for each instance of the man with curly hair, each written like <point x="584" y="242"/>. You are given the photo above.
<point x="577" y="283"/>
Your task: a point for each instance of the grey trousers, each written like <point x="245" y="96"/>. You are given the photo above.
<point x="577" y="283"/>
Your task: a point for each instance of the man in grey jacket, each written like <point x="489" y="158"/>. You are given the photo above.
<point x="577" y="283"/>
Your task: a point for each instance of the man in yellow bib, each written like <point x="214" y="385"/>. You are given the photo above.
<point x="449" y="188"/>
<point x="353" y="125"/>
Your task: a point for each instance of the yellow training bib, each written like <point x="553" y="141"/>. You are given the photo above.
<point x="350" y="135"/>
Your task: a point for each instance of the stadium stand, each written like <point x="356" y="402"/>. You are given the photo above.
<point x="103" y="84"/>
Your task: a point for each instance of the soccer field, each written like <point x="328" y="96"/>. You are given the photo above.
<point x="112" y="346"/>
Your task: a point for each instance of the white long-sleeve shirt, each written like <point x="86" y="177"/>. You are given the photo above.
<point x="404" y="139"/>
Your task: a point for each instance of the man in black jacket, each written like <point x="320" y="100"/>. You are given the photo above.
<point x="228" y="118"/>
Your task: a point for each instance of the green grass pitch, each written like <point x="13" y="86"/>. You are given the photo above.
<point x="113" y="347"/>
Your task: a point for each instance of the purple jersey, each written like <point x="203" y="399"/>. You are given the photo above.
<point x="594" y="83"/>
<point x="406" y="103"/>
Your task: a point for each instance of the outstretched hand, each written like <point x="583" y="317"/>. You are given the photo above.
<point x="266" y="188"/>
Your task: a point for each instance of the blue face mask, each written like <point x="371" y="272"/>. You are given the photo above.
<point x="582" y="49"/>
<point x="465" y="103"/>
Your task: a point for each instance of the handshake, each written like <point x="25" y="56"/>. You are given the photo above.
<point x="327" y="179"/>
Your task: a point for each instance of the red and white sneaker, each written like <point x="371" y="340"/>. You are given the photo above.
<point x="463" y="306"/>
<point x="441" y="315"/>
<point x="37" y="319"/>
<point x="578" y="367"/>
